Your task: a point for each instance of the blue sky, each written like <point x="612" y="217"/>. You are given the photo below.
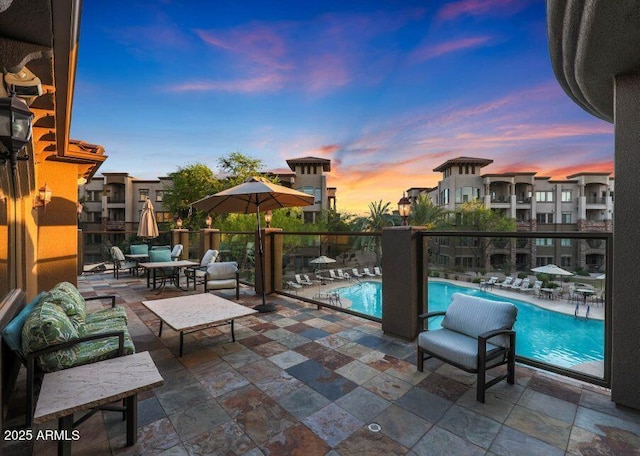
<point x="387" y="90"/>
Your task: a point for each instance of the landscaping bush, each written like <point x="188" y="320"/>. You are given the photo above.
<point x="523" y="275"/>
<point x="435" y="274"/>
<point x="476" y="280"/>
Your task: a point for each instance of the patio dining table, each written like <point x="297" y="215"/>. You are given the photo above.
<point x="162" y="265"/>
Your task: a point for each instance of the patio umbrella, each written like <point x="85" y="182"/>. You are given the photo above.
<point x="322" y="260"/>
<point x="147" y="228"/>
<point x="552" y="269"/>
<point x="253" y="195"/>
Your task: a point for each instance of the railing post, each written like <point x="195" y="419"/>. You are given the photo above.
<point x="181" y="236"/>
<point x="209" y="239"/>
<point x="272" y="260"/>
<point x="403" y="290"/>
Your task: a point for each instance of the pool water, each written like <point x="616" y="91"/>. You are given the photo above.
<point x="544" y="335"/>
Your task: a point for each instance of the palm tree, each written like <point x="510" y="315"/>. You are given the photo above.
<point x="425" y="213"/>
<point x="378" y="218"/>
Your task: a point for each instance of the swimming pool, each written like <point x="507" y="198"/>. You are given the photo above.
<point x="544" y="335"/>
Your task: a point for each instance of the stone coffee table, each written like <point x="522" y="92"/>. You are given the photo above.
<point x="187" y="314"/>
<point x="93" y="385"/>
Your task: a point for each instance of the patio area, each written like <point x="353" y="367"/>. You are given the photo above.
<point x="308" y="381"/>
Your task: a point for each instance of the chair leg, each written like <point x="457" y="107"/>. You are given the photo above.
<point x="420" y="361"/>
<point x="511" y="366"/>
<point x="482" y="375"/>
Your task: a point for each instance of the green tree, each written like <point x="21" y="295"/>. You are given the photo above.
<point x="239" y="167"/>
<point x="189" y="184"/>
<point x="425" y="213"/>
<point x="331" y="220"/>
<point x="474" y="216"/>
<point x="379" y="217"/>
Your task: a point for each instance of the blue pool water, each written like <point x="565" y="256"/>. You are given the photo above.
<point x="544" y="335"/>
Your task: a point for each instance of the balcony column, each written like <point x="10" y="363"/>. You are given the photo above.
<point x="181" y="236"/>
<point x="625" y="369"/>
<point x="272" y="261"/>
<point x="404" y="291"/>
<point x="209" y="239"/>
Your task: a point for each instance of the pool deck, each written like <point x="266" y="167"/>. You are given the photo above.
<point x="303" y="380"/>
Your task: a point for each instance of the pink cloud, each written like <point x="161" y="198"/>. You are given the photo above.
<point x="266" y="83"/>
<point x="479" y="8"/>
<point x="428" y="52"/>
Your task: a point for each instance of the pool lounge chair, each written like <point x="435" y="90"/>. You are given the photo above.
<point x="377" y="271"/>
<point x="368" y="273"/>
<point x="356" y="273"/>
<point x="343" y="275"/>
<point x="293" y="286"/>
<point x="488" y="283"/>
<point x="307" y="279"/>
<point x="301" y="281"/>
<point x="515" y="285"/>
<point x="524" y="286"/>
<point x="506" y="283"/>
<point x="334" y="276"/>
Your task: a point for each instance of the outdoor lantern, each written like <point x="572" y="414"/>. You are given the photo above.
<point x="404" y="207"/>
<point x="179" y="223"/>
<point x="15" y="128"/>
<point x="43" y="197"/>
<point x="268" y="216"/>
<point x="208" y="221"/>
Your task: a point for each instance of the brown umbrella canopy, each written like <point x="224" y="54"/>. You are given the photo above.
<point x="255" y="194"/>
<point x="148" y="228"/>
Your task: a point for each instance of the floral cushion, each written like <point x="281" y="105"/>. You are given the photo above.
<point x="46" y="325"/>
<point x="68" y="298"/>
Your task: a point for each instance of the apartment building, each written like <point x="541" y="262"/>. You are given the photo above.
<point x="581" y="202"/>
<point x="112" y="202"/>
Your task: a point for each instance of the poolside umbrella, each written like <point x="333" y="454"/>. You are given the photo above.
<point x="147" y="228"/>
<point x="322" y="260"/>
<point x="552" y="269"/>
<point x="253" y="195"/>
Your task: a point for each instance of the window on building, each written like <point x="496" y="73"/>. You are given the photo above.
<point x="565" y="261"/>
<point x="94" y="195"/>
<point x="566" y="242"/>
<point x="567" y="217"/>
<point x="143" y="194"/>
<point x="466" y="194"/>
<point x="159" y="195"/>
<point x="464" y="262"/>
<point x="545" y="196"/>
<point x="544" y="218"/>
<point x="445" y="197"/>
<point x="163" y="217"/>
<point x="308" y="217"/>
<point x="544" y="241"/>
<point x="317" y="195"/>
<point x="459" y="169"/>
<point x="543" y="261"/>
<point x="566" y="196"/>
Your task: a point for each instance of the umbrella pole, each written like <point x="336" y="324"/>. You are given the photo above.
<point x="264" y="307"/>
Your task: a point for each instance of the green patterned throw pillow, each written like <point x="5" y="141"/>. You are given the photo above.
<point x="46" y="325"/>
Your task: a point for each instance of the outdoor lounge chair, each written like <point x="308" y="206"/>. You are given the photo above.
<point x="293" y="286"/>
<point x="356" y="273"/>
<point x="506" y="283"/>
<point x="120" y="263"/>
<point x="377" y="271"/>
<point x="334" y="276"/>
<point x="343" y="275"/>
<point x="176" y="252"/>
<point x="524" y="286"/>
<point x="476" y="335"/>
<point x="515" y="285"/>
<point x="197" y="273"/>
<point x="307" y="279"/>
<point x="488" y="283"/>
<point x="301" y="281"/>
<point x="368" y="273"/>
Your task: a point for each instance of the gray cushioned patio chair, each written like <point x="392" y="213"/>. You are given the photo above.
<point x="476" y="335"/>
<point x="120" y="263"/>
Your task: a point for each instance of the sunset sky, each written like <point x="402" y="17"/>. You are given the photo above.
<point x="387" y="90"/>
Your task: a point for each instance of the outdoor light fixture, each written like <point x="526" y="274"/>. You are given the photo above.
<point x="179" y="223"/>
<point x="404" y="207"/>
<point x="43" y="197"/>
<point x="208" y="221"/>
<point x="15" y="129"/>
<point x="268" y="216"/>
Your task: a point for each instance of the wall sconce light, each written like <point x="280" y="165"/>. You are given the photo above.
<point x="43" y="197"/>
<point x="208" y="221"/>
<point x="404" y="208"/>
<point x="268" y="216"/>
<point x="15" y="129"/>
<point x="179" y="223"/>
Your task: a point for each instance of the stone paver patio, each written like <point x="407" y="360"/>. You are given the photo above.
<point x="310" y="382"/>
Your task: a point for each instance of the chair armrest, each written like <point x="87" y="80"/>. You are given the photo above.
<point x="428" y="315"/>
<point x="495" y="332"/>
<point x="112" y="297"/>
<point x="71" y="343"/>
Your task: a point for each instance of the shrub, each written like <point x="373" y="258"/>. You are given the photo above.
<point x="435" y="274"/>
<point x="523" y="275"/>
<point x="476" y="280"/>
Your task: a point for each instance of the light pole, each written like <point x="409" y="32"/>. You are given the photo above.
<point x="404" y="208"/>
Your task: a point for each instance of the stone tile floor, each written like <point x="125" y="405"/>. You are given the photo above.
<point x="303" y="381"/>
